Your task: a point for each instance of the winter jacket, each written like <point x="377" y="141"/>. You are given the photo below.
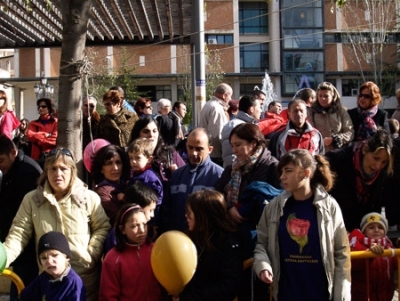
<point x="128" y="275"/>
<point x="263" y="170"/>
<point x="333" y="122"/>
<point x="335" y="249"/>
<point x="218" y="275"/>
<point x="78" y="215"/>
<point x="117" y="128"/>
<point x="380" y="119"/>
<point x="184" y="181"/>
<point x="8" y="123"/>
<point x="168" y="125"/>
<point x="288" y="138"/>
<point x="396" y="114"/>
<point x="69" y="287"/>
<point x="381" y="273"/>
<point x="43" y="136"/>
<point x="213" y="117"/>
<point x="345" y="192"/>
<point x="241" y="117"/>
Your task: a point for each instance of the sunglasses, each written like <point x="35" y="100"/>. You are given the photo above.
<point x="42" y="107"/>
<point x="91" y="105"/>
<point x="108" y="104"/>
<point x="64" y="151"/>
<point x="366" y="96"/>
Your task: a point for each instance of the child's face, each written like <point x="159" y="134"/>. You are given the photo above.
<point x="292" y="177"/>
<point x="54" y="262"/>
<point x="135" y="228"/>
<point x="374" y="230"/>
<point x="138" y="161"/>
<point x="149" y="210"/>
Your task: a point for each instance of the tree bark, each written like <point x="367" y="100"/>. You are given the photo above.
<point x="75" y="17"/>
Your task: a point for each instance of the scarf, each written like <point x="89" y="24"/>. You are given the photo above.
<point x="356" y="236"/>
<point x="367" y="127"/>
<point x="239" y="169"/>
<point x="363" y="180"/>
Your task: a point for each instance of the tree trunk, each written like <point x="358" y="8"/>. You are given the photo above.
<point x="75" y="17"/>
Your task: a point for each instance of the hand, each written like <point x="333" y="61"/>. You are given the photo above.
<point x="266" y="276"/>
<point x="328" y="141"/>
<point x="120" y="197"/>
<point x="376" y="249"/>
<point x="234" y="213"/>
<point x="173" y="167"/>
<point x="175" y="298"/>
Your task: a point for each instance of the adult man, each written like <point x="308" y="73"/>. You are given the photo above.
<point x="90" y="119"/>
<point x="20" y="174"/>
<point x="274" y="107"/>
<point x="298" y="133"/>
<point x="214" y="116"/>
<point x="249" y="111"/>
<point x="168" y="123"/>
<point x="199" y="173"/>
<point x="179" y="110"/>
<point x="260" y="95"/>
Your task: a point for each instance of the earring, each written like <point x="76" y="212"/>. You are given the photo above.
<point x="305" y="178"/>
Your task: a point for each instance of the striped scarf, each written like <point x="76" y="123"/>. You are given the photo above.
<point x="239" y="169"/>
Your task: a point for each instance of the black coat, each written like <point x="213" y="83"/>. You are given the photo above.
<point x="20" y="179"/>
<point x="218" y="275"/>
<point x="345" y="192"/>
<point x="380" y="119"/>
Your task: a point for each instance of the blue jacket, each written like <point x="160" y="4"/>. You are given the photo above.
<point x="184" y="181"/>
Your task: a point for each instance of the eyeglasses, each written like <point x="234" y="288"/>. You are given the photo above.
<point x="64" y="151"/>
<point x="108" y="104"/>
<point x="91" y="105"/>
<point x="42" y="107"/>
<point x="366" y="96"/>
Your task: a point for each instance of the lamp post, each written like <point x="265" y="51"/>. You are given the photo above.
<point x="43" y="89"/>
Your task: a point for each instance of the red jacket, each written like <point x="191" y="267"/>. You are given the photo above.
<point x="381" y="273"/>
<point x="128" y="275"/>
<point x="42" y="136"/>
<point x="8" y="123"/>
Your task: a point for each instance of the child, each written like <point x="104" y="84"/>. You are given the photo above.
<point x="140" y="157"/>
<point x="302" y="242"/>
<point x="58" y="281"/>
<point x="372" y="236"/>
<point x="127" y="274"/>
<point x="139" y="194"/>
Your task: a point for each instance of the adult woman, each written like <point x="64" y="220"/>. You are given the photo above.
<point x="253" y="162"/>
<point x="302" y="242"/>
<point x="116" y="125"/>
<point x="143" y="107"/>
<point x="361" y="173"/>
<point x="330" y="118"/>
<point x="21" y="140"/>
<point x="8" y="121"/>
<point x="219" y="268"/>
<point x="63" y="203"/>
<point x="110" y="171"/>
<point x="367" y="117"/>
<point x="42" y="133"/>
<point x="165" y="158"/>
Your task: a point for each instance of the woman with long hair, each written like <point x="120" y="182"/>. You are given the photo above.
<point x="219" y="268"/>
<point x="8" y="121"/>
<point x="302" y="243"/>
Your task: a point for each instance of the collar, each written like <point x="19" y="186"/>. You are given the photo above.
<point x="194" y="168"/>
<point x="246" y="117"/>
<point x="64" y="274"/>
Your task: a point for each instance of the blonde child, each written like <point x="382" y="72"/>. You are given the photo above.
<point x="127" y="274"/>
<point x="58" y="281"/>
<point x="372" y="236"/>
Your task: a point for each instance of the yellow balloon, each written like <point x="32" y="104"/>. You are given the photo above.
<point x="174" y="260"/>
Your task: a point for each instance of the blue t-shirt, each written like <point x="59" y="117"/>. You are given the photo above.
<point x="303" y="276"/>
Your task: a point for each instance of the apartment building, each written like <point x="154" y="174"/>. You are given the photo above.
<point x="299" y="43"/>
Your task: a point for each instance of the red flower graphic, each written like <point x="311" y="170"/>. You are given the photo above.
<point x="298" y="230"/>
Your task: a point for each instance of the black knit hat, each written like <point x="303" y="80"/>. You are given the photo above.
<point x="54" y="241"/>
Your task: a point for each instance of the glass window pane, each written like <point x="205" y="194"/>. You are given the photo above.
<point x="253" y="18"/>
<point x="302" y="17"/>
<point x="301" y="3"/>
<point x="253" y="58"/>
<point x="302" y="38"/>
<point x="303" y="61"/>
<point x="294" y="82"/>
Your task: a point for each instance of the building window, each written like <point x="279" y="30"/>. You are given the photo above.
<point x="303" y="61"/>
<point x="163" y="92"/>
<point x="253" y="17"/>
<point x="219" y="39"/>
<point x="294" y="82"/>
<point x="350" y="87"/>
<point x="253" y="57"/>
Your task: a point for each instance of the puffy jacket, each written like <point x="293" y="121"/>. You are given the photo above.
<point x="335" y="247"/>
<point x="79" y="216"/>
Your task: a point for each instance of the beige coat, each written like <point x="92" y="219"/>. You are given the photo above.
<point x="338" y="122"/>
<point x="335" y="248"/>
<point x="79" y="216"/>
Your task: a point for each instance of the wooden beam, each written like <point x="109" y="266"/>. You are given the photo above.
<point x="101" y="5"/>
<point x="134" y="19"/>
<point x="169" y="20"/>
<point x="121" y="18"/>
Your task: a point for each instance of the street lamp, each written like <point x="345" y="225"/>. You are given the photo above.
<point x="43" y="89"/>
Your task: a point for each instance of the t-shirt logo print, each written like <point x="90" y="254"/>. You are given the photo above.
<point x="298" y="230"/>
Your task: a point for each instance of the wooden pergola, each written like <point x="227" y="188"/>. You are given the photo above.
<point x="111" y="22"/>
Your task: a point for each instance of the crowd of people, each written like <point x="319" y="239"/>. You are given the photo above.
<point x="295" y="188"/>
